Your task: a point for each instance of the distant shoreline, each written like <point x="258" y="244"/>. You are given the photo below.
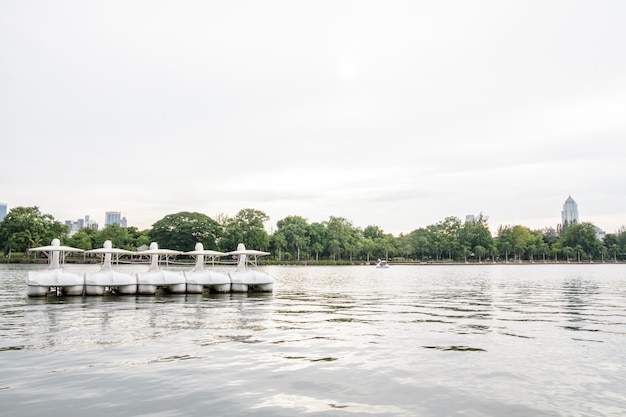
<point x="92" y="261"/>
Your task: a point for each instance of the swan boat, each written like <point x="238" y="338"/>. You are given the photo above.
<point x="200" y="278"/>
<point x="108" y="280"/>
<point x="244" y="278"/>
<point x="156" y="278"/>
<point x="54" y="279"/>
<point x="382" y="264"/>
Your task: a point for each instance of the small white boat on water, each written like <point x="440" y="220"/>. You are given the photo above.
<point x="200" y="278"/>
<point x="108" y="280"/>
<point x="156" y="278"/>
<point x="382" y="264"/>
<point x="54" y="279"/>
<point x="244" y="278"/>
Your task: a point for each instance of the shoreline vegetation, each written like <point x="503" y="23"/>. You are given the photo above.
<point x="296" y="241"/>
<point x="189" y="261"/>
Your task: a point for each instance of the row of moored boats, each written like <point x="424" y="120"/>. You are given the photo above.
<point x="55" y="280"/>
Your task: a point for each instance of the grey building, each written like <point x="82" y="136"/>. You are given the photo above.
<point x="569" y="215"/>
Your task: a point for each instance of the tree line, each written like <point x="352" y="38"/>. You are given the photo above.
<point x="332" y="241"/>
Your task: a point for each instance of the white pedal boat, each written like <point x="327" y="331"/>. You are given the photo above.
<point x="156" y="278"/>
<point x="200" y="278"/>
<point x="54" y="279"/>
<point x="108" y="280"/>
<point x="244" y="278"/>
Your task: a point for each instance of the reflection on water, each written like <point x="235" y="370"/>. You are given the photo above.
<point x="540" y="340"/>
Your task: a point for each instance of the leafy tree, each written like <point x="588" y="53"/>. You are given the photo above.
<point x="138" y="237"/>
<point x="505" y="241"/>
<point x="480" y="252"/>
<point x="294" y="229"/>
<point x="435" y="239"/>
<point x="368" y="246"/>
<point x="450" y="228"/>
<point x="473" y="234"/>
<point x="82" y="239"/>
<point x="279" y="242"/>
<point x="521" y="238"/>
<point x="318" y="238"/>
<point x="373" y="232"/>
<point x="27" y="227"/>
<point x="246" y="227"/>
<point x="568" y="252"/>
<point x="118" y="235"/>
<point x="340" y="235"/>
<point x="582" y="235"/>
<point x="181" y="231"/>
<point x="420" y="242"/>
<point x="388" y="245"/>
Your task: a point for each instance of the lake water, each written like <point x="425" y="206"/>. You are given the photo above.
<point x="424" y="340"/>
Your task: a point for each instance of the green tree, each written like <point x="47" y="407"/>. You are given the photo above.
<point x="118" y="235"/>
<point x="294" y="229"/>
<point x="27" y="227"/>
<point x="450" y="228"/>
<point x="82" y="239"/>
<point x="340" y="235"/>
<point x="278" y="241"/>
<point x="480" y="252"/>
<point x="181" y="231"/>
<point x="318" y="238"/>
<point x="435" y="239"/>
<point x="368" y="246"/>
<point x="246" y="227"/>
<point x="138" y="237"/>
<point x="420" y="242"/>
<point x="521" y="238"/>
<point x="504" y="241"/>
<point x="473" y="234"/>
<point x="582" y="235"/>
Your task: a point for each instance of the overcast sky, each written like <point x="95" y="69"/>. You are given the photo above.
<point x="387" y="113"/>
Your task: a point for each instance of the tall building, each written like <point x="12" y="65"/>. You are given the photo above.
<point x="113" y="217"/>
<point x="569" y="215"/>
<point x="3" y="211"/>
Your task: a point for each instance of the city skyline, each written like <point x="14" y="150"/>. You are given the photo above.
<point x="394" y="114"/>
<point x="569" y="215"/>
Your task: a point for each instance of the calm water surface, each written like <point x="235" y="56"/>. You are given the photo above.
<point x="468" y="340"/>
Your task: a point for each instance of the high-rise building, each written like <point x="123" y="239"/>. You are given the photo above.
<point x="3" y="211"/>
<point x="113" y="217"/>
<point x="569" y="215"/>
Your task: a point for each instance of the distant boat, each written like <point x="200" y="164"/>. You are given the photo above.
<point x="382" y="264"/>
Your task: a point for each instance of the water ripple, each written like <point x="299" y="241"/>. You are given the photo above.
<point x="540" y="340"/>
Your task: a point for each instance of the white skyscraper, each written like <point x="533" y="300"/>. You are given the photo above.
<point x="569" y="215"/>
